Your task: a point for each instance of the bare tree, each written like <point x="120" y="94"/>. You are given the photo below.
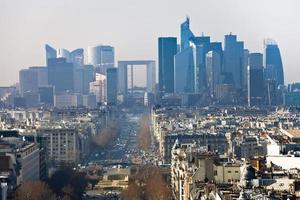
<point x="147" y="183"/>
<point x="144" y="134"/>
<point x="107" y="135"/>
<point x="34" y="191"/>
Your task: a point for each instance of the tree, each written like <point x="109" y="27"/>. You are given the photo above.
<point x="66" y="182"/>
<point x="144" y="134"/>
<point x="107" y="135"/>
<point x="147" y="183"/>
<point x="34" y="191"/>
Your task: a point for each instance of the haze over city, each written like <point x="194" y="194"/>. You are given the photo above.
<point x="133" y="26"/>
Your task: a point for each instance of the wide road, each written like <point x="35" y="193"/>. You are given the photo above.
<point x="124" y="147"/>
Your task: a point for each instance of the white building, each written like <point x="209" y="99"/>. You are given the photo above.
<point x="102" y="57"/>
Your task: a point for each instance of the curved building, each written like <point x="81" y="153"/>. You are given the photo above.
<point x="273" y="62"/>
<point x="77" y="57"/>
<point x="102" y="57"/>
<point x="50" y="52"/>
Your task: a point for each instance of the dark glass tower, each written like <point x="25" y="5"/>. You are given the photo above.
<point x="60" y="74"/>
<point x="233" y="60"/>
<point x="111" y="86"/>
<point x="167" y="49"/>
<point x="255" y="79"/>
<point x="273" y="62"/>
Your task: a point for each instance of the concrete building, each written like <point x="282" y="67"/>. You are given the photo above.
<point x="62" y="144"/>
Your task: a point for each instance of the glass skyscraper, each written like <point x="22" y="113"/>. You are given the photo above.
<point x="111" y="85"/>
<point x="61" y="75"/>
<point x="167" y="49"/>
<point x="50" y="52"/>
<point x="101" y="57"/>
<point x="255" y="79"/>
<point x="273" y="62"/>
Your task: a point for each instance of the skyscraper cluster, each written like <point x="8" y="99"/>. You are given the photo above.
<point x="67" y="80"/>
<point x="214" y="73"/>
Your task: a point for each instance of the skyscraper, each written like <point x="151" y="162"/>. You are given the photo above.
<point x="185" y="71"/>
<point x="50" y="53"/>
<point x="213" y="70"/>
<point x="63" y="53"/>
<point x="167" y="49"/>
<point x="102" y="57"/>
<point x="255" y="79"/>
<point x="233" y="60"/>
<point x="28" y="81"/>
<point x="46" y="94"/>
<point x="111" y="86"/>
<point x="77" y="57"/>
<point x="185" y="34"/>
<point x="61" y="74"/>
<point x="273" y="62"/>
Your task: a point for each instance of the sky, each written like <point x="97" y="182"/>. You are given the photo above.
<point x="133" y="26"/>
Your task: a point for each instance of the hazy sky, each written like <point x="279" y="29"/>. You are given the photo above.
<point x="132" y="27"/>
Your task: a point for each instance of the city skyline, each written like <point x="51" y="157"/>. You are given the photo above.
<point x="20" y="26"/>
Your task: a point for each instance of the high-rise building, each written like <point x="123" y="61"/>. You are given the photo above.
<point x="42" y="74"/>
<point x="255" y="79"/>
<point x="98" y="88"/>
<point x="213" y="70"/>
<point x="167" y="49"/>
<point x="46" y="95"/>
<point x="28" y="81"/>
<point x="233" y="60"/>
<point x="245" y="69"/>
<point x="50" y="53"/>
<point x="61" y="74"/>
<point x="82" y="78"/>
<point x="184" y="71"/>
<point x="63" y="53"/>
<point x="273" y="62"/>
<point x="101" y="57"/>
<point x="77" y="57"/>
<point x="185" y="34"/>
<point x="111" y="86"/>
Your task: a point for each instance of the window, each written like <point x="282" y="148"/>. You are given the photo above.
<point x="229" y="172"/>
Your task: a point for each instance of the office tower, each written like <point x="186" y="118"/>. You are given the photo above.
<point x="61" y="74"/>
<point x="213" y="70"/>
<point x="28" y="81"/>
<point x="167" y="49"/>
<point x="88" y="76"/>
<point x="245" y="69"/>
<point x="46" y="94"/>
<point x="32" y="99"/>
<point x="111" y="86"/>
<point x="78" y="80"/>
<point x="98" y="88"/>
<point x="50" y="53"/>
<point x="42" y="74"/>
<point x="63" y="53"/>
<point x="255" y="79"/>
<point x="185" y="34"/>
<point x="101" y="57"/>
<point x="233" y="60"/>
<point x="184" y="71"/>
<point x="273" y="62"/>
<point x="82" y="78"/>
<point x="77" y="57"/>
